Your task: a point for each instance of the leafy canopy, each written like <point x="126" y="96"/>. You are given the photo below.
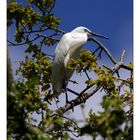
<point x="30" y="96"/>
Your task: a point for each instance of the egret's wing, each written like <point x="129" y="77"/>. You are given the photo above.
<point x="57" y="77"/>
<point x="58" y="68"/>
<point x="68" y="47"/>
<point x="75" y="55"/>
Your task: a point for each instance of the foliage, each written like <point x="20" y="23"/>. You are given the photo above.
<point x="9" y="73"/>
<point x="30" y="97"/>
<point x="112" y="123"/>
<point x="87" y="61"/>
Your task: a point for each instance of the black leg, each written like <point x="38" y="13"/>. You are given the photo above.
<point x="65" y="86"/>
<point x="66" y="93"/>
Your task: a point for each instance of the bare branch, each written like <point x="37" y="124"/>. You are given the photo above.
<point x="78" y="100"/>
<point x="104" y="48"/>
<point x="58" y="30"/>
<point x="114" y="61"/>
<point x="75" y="93"/>
<point x="15" y="44"/>
<point x="122" y="56"/>
<point x="89" y="91"/>
<point x="74" y="82"/>
<point x="126" y="67"/>
<point x="35" y="31"/>
<point x="85" y="71"/>
<point x="25" y="42"/>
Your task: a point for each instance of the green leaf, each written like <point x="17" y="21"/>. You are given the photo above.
<point x="45" y="87"/>
<point x="130" y="65"/>
<point x="90" y="82"/>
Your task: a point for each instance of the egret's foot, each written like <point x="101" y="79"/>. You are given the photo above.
<point x="83" y="97"/>
<point x="69" y="102"/>
<point x="72" y="105"/>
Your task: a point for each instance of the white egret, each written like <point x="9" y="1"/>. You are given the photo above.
<point x="68" y="47"/>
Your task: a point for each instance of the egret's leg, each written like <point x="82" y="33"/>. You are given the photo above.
<point x="82" y="98"/>
<point x="66" y="92"/>
<point x="65" y="86"/>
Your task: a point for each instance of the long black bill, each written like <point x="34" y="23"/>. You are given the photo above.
<point x="98" y="35"/>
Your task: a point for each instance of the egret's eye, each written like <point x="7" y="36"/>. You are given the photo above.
<point x="85" y="30"/>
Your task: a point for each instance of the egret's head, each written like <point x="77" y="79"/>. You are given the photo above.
<point x="84" y="30"/>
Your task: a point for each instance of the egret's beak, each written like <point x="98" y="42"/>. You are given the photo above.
<point x="98" y="35"/>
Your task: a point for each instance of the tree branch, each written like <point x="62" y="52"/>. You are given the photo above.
<point x="36" y="31"/>
<point x="104" y="48"/>
<point x="89" y="91"/>
<point x="114" y="61"/>
<point x="25" y="42"/>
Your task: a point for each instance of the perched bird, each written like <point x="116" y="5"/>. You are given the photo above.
<point x="68" y="47"/>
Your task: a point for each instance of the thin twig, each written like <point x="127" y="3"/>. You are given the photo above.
<point x="114" y="61"/>
<point x="104" y="48"/>
<point x="86" y="74"/>
<point x="96" y="50"/>
<point x="52" y="6"/>
<point x="74" y="82"/>
<point x="25" y="42"/>
<point x="90" y="91"/>
<point x="15" y="44"/>
<point x="122" y="56"/>
<point x="75" y="93"/>
<point x="35" y="31"/>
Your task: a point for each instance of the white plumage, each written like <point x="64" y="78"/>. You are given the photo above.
<point x="68" y="47"/>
